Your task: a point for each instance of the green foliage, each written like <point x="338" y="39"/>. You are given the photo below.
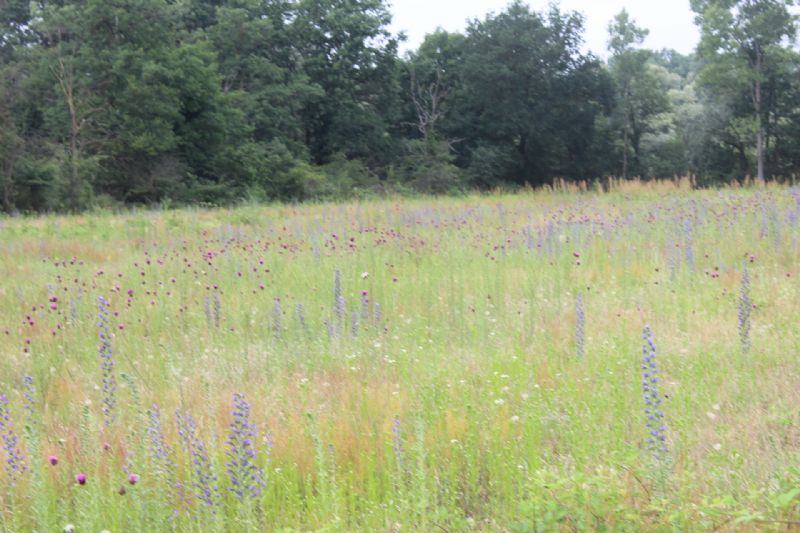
<point x="530" y="97"/>
<point x="151" y="102"/>
<point x="640" y="89"/>
<point x="347" y="51"/>
<point x="461" y="407"/>
<point x="428" y="167"/>
<point x="744" y="45"/>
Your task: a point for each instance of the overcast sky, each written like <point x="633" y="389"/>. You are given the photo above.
<point x="671" y="22"/>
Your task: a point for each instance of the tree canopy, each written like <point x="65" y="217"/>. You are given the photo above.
<point x="113" y="102"/>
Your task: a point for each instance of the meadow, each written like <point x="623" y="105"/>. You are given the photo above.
<point x="561" y="360"/>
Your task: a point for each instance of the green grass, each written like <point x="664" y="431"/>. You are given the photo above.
<point x="464" y="407"/>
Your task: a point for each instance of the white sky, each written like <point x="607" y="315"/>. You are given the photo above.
<point x="671" y="22"/>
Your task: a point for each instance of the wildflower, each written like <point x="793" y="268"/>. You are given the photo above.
<point x="338" y="301"/>
<point x="80" y="479"/>
<point x="301" y="316"/>
<point x="277" y="318"/>
<point x="397" y="440"/>
<point x="29" y="396"/>
<point x="689" y="249"/>
<point x="580" y="327"/>
<point x="745" y="308"/>
<point x="217" y="309"/>
<point x="205" y="480"/>
<point x="657" y="437"/>
<point x="106" y="354"/>
<point x="133" y="478"/>
<point x="247" y="478"/>
<point x="15" y="461"/>
<point x="364" y="305"/>
<point x="53" y="460"/>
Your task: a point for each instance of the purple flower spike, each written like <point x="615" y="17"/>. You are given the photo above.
<point x="654" y="416"/>
<point x="247" y="478"/>
<point x="15" y="461"/>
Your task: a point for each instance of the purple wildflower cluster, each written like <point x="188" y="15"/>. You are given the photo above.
<point x="688" y="243"/>
<point x="657" y="436"/>
<point x="364" y="305"/>
<point x="160" y="452"/>
<point x="580" y="327"/>
<point x="745" y="308"/>
<point x="301" y="317"/>
<point x="247" y="478"/>
<point x="338" y="304"/>
<point x="397" y="440"/>
<point x="205" y="480"/>
<point x="29" y="400"/>
<point x="277" y="318"/>
<point x="106" y="354"/>
<point x="217" y="310"/>
<point x="354" y="323"/>
<point x="15" y="461"/>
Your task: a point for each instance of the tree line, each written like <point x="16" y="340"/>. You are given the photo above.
<point x="110" y="102"/>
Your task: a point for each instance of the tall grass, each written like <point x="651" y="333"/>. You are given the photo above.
<point x="407" y="365"/>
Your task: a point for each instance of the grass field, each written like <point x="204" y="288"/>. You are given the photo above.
<point x="468" y="364"/>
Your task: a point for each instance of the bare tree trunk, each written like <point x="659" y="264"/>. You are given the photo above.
<point x="66" y="81"/>
<point x="74" y="127"/>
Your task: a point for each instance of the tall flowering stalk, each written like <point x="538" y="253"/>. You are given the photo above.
<point x="338" y="303"/>
<point x="580" y="327"/>
<point x="160" y="451"/>
<point x="205" y="481"/>
<point x="277" y="318"/>
<point x="31" y="415"/>
<point x="301" y="317"/>
<point x="397" y="442"/>
<point x="217" y="309"/>
<point x="688" y="242"/>
<point x="247" y="478"/>
<point x="745" y="308"/>
<point x="29" y="397"/>
<point x="207" y="310"/>
<point x="15" y="461"/>
<point x="106" y="354"/>
<point x="354" y="323"/>
<point x="364" y="306"/>
<point x="73" y="311"/>
<point x="657" y="431"/>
